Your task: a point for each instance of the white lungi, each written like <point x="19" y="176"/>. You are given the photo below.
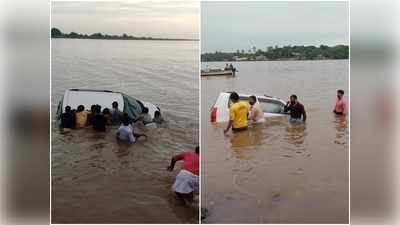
<point x="185" y="182"/>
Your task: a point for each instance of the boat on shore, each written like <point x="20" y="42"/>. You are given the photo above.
<point x="218" y="72"/>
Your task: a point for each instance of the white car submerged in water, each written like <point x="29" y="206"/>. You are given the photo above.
<point x="271" y="106"/>
<point x="87" y="97"/>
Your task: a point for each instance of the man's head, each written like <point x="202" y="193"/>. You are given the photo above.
<point x="234" y="97"/>
<point x="98" y="109"/>
<point x="197" y="150"/>
<point x="125" y="119"/>
<point x="340" y="94"/>
<point x="67" y="108"/>
<point x="93" y="108"/>
<point x="81" y="108"/>
<point x="252" y="100"/>
<point x="115" y="105"/>
<point x="145" y="110"/>
<point x="293" y="99"/>
<point x="106" y="111"/>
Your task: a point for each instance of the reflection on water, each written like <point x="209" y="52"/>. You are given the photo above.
<point x="341" y="129"/>
<point x="278" y="172"/>
<point x="296" y="133"/>
<point x="95" y="178"/>
<point x="244" y="141"/>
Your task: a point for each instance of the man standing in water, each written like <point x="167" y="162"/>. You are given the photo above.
<point x="296" y="110"/>
<point x="238" y="113"/>
<point x="256" y="114"/>
<point x="226" y="67"/>
<point x="340" y="106"/>
<point x="116" y="114"/>
<point x="188" y="177"/>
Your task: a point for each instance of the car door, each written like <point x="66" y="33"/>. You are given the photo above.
<point x="270" y="107"/>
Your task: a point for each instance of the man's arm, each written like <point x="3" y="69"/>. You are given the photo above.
<point x="251" y="114"/>
<point x="229" y="126"/>
<point x="287" y="107"/>
<point x="131" y="138"/>
<point x="231" y="118"/>
<point x="304" y="115"/>
<point x="259" y="113"/>
<point x="172" y="164"/>
<point x="344" y="108"/>
<point x="174" y="159"/>
<point x="254" y="114"/>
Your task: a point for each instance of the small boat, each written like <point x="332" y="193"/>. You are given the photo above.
<point x="217" y="72"/>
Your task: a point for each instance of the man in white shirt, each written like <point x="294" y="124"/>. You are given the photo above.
<point x="256" y="114"/>
<point x="125" y="131"/>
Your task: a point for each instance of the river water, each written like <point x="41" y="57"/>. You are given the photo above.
<point x="278" y="172"/>
<point x="96" y="180"/>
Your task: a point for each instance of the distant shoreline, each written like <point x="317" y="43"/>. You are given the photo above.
<point x="57" y="33"/>
<point x="127" y="39"/>
<point x="283" y="53"/>
<point x="273" y="60"/>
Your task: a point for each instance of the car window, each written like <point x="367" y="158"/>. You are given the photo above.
<point x="270" y="106"/>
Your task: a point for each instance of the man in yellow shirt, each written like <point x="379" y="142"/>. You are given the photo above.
<point x="81" y="117"/>
<point x="238" y="114"/>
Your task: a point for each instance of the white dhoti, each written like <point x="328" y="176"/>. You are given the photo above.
<point x="185" y="182"/>
<point x="259" y="120"/>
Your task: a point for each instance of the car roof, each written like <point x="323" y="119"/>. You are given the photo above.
<point x="258" y="96"/>
<point x="88" y="97"/>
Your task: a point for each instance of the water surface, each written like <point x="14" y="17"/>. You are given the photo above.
<point x="278" y="172"/>
<point x="96" y="180"/>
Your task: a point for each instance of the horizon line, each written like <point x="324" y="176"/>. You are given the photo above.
<point x="121" y="35"/>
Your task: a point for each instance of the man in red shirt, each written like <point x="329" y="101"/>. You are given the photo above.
<point x="188" y="177"/>
<point x="340" y="106"/>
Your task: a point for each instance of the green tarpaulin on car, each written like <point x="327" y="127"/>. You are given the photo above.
<point x="132" y="106"/>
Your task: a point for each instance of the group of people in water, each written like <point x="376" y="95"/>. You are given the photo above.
<point x="100" y="119"/>
<point x="186" y="181"/>
<point x="240" y="113"/>
<point x="229" y="67"/>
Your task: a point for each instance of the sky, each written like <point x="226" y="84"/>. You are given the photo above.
<point x="160" y="18"/>
<point x="231" y="26"/>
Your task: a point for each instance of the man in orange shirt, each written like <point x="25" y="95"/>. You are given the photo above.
<point x="340" y="106"/>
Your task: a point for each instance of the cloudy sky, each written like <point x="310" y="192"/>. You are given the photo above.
<point x="228" y="26"/>
<point x="161" y="18"/>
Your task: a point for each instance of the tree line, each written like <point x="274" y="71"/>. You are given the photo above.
<point x="57" y="33"/>
<point x="281" y="53"/>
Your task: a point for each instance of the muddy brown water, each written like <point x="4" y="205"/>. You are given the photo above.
<point x="94" y="178"/>
<point x="278" y="172"/>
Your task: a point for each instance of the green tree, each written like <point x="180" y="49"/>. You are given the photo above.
<point x="73" y="35"/>
<point x="55" y="32"/>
